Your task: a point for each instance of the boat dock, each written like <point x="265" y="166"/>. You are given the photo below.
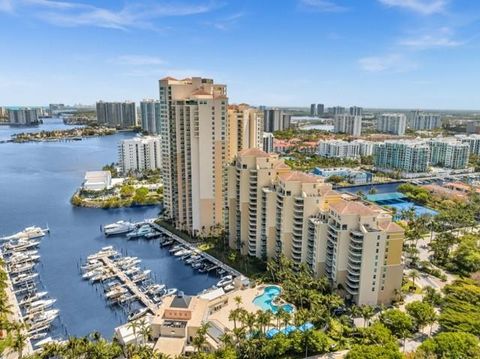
<point x="128" y="283"/>
<point x="219" y="264"/>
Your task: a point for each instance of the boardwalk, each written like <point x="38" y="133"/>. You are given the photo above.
<point x="128" y="283"/>
<point x="190" y="246"/>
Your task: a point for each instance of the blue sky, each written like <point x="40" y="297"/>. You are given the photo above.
<point x="372" y="53"/>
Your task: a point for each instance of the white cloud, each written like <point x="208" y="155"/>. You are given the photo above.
<point x="138" y="60"/>
<point x="387" y="63"/>
<point x="6" y="6"/>
<point x="227" y="22"/>
<point x="424" y="7"/>
<point x="439" y="38"/>
<point x="136" y="15"/>
<point x="322" y="6"/>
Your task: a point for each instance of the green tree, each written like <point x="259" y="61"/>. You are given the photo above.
<point x="450" y="345"/>
<point x="399" y="323"/>
<point x="423" y="314"/>
<point x="389" y="351"/>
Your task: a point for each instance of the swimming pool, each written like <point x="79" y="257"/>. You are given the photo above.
<point x="264" y="301"/>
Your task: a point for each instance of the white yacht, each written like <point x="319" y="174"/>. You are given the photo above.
<point x="33" y="298"/>
<point x="28" y="233"/>
<point x="119" y="227"/>
<point x="224" y="281"/>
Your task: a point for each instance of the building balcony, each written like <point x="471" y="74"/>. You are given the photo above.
<point x="351" y="288"/>
<point x="353" y="268"/>
<point x="352" y="278"/>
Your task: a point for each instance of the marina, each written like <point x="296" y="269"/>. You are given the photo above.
<point x="21" y="258"/>
<point x="40" y="183"/>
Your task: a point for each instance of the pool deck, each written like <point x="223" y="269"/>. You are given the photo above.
<point x="247" y="295"/>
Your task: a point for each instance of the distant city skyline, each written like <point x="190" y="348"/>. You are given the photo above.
<point x="375" y="53"/>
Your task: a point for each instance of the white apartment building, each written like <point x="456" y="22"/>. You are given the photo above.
<point x="338" y="149"/>
<point x="449" y="153"/>
<point x="345" y="149"/>
<point x="23" y="116"/>
<point x="139" y="154"/>
<point x="393" y="123"/>
<point x="351" y="125"/>
<point x="473" y="142"/>
<point x="405" y="156"/>
<point x="195" y="147"/>
<point x="150" y="116"/>
<point x="424" y="121"/>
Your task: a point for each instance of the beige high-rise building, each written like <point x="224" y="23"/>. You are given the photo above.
<point x="276" y="211"/>
<point x="245" y="128"/>
<point x="194" y="131"/>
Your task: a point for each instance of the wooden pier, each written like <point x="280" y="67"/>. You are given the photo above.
<point x="128" y="283"/>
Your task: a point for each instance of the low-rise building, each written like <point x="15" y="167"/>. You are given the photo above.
<point x="345" y="149"/>
<point x="97" y="180"/>
<point x="350" y="175"/>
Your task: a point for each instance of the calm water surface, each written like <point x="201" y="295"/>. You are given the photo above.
<point x="36" y="182"/>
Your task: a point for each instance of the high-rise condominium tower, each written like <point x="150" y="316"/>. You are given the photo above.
<point x="276" y="211"/>
<point x="245" y="128"/>
<point x="194" y="131"/>
<point x="117" y="114"/>
<point x="150" y="116"/>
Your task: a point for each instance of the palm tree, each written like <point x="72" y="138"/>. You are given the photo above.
<point x="201" y="337"/>
<point x="19" y="339"/>
<point x="367" y="312"/>
<point x="134" y="326"/>
<point x="238" y="300"/>
<point x="145" y="330"/>
<point x="414" y="275"/>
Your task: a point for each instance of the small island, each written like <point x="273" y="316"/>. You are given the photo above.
<point x="104" y="189"/>
<point x="59" y="135"/>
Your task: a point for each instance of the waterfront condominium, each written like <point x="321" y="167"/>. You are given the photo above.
<point x="195" y="146"/>
<point x="393" y="123"/>
<point x="473" y="142"/>
<point x="276" y="211"/>
<point x="449" y="153"/>
<point x="139" y="154"/>
<point x="405" y="156"/>
<point x="344" y="149"/>
<point x="351" y="125"/>
<point x="338" y="149"/>
<point x="117" y="114"/>
<point x="245" y="128"/>
<point x="424" y="121"/>
<point x="150" y="116"/>
<point x="23" y="116"/>
<point x="276" y="120"/>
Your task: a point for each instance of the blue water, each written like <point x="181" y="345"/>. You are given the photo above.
<point x="52" y="124"/>
<point x="36" y="182"/>
<point x="265" y="300"/>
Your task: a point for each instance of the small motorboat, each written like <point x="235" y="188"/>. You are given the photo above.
<point x="224" y="281"/>
<point x="141" y="232"/>
<point x="138" y="314"/>
<point x="171" y="291"/>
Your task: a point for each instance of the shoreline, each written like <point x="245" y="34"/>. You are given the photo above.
<point x="15" y="316"/>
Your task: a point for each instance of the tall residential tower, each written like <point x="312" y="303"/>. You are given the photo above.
<point x="194" y="132"/>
